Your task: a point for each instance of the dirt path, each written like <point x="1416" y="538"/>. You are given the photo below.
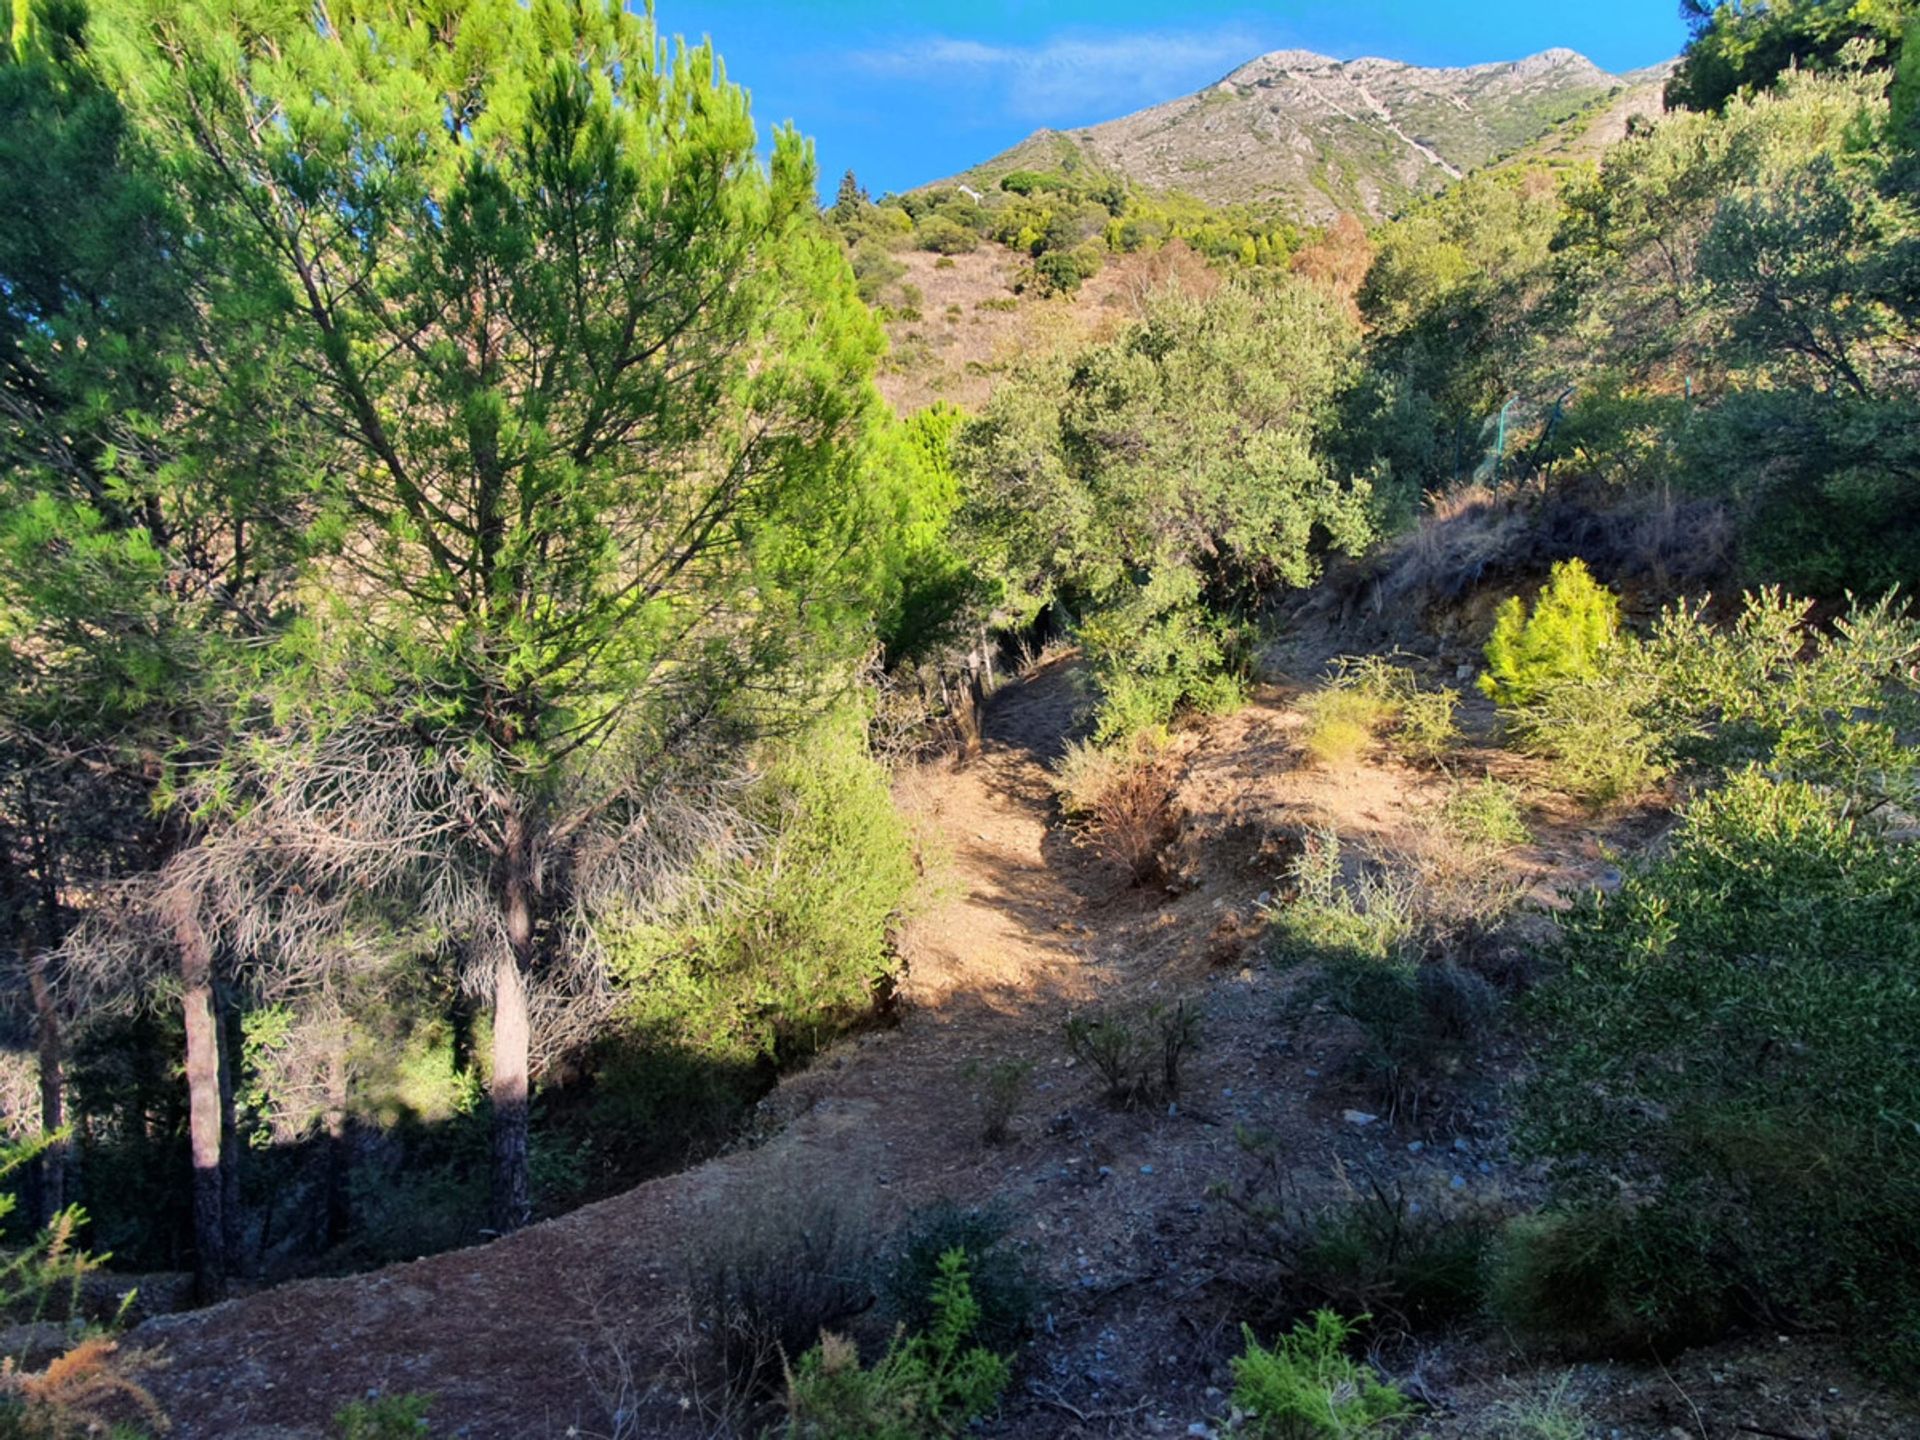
<point x="505" y="1335"/>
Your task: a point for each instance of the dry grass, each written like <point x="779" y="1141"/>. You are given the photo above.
<point x="1122" y="800"/>
<point x="1474" y="537"/>
<point x="89" y="1390"/>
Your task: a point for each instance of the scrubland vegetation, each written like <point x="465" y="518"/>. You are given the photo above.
<point x="465" y="607"/>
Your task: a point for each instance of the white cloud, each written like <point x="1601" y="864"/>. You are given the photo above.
<point x="1072" y="80"/>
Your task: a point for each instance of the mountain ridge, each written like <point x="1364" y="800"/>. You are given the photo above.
<point x="1321" y="135"/>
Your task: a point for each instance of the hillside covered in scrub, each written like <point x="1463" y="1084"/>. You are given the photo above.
<point x="632" y="805"/>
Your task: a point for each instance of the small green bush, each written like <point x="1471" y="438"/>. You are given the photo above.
<point x="1420" y="1023"/>
<point x="1372" y="920"/>
<point x="1156" y="649"/>
<point x="1137" y="1050"/>
<point x="1369" y="696"/>
<point x="1059" y="272"/>
<point x="1004" y="1289"/>
<point x="927" y="1385"/>
<point x="946" y="237"/>
<point x="1573" y="619"/>
<point x="1343" y="724"/>
<point x="1408" y="1258"/>
<point x="1594" y="733"/>
<point x="1427" y="731"/>
<point x="1552" y="1415"/>
<point x="1601" y="1279"/>
<point x="1306" y="1388"/>
<point x="1003" y="1085"/>
<point x="1486" y="815"/>
<point x="384" y="1417"/>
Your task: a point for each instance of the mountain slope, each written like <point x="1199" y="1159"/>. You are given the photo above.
<point x="1323" y="135"/>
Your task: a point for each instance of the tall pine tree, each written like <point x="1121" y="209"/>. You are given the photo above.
<point x="588" y="394"/>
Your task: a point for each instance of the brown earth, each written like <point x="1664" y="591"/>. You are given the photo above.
<point x="971" y="328"/>
<point x="575" y="1327"/>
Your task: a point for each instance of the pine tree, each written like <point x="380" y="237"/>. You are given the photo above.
<point x="136" y="539"/>
<point x="851" y="201"/>
<point x="587" y="389"/>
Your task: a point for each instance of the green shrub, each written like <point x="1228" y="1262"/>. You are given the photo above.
<point x="1420" y="1023"/>
<point x="1427" y="731"/>
<point x="1372" y="920"/>
<point x="1003" y="1085"/>
<point x="1004" y="1290"/>
<point x="1306" y="1388"/>
<point x="1343" y="724"/>
<point x="1594" y="732"/>
<point x="1059" y="272"/>
<point x="1553" y="1415"/>
<point x="1733" y="1038"/>
<point x="946" y="237"/>
<point x="1602" y="1279"/>
<point x="714" y="998"/>
<point x="1835" y="707"/>
<point x="1407" y="1258"/>
<point x="1572" y="621"/>
<point x="1156" y="650"/>
<point x="1369" y="696"/>
<point x="383" y="1417"/>
<point x="1485" y="815"/>
<point x="1137" y="1050"/>
<point x="927" y="1385"/>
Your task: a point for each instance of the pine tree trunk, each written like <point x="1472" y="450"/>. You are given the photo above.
<point x="512" y="1200"/>
<point x="203" y="1107"/>
<point x="53" y="1092"/>
<point x="227" y="1017"/>
<point x="51" y="1173"/>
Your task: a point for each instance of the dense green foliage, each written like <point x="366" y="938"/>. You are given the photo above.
<point x="1560" y="639"/>
<point x="1730" y="1079"/>
<point x="1723" y="309"/>
<point x="1832" y="706"/>
<point x="1739" y="47"/>
<point x="794" y="947"/>
<point x="1156" y="485"/>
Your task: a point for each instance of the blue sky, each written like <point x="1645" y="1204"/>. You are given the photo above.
<point x="903" y="93"/>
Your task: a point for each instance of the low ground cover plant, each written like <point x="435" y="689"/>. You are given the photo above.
<point x="1307" y="1388"/>
<point x="927" y="1384"/>
<point x="1137" y="1049"/>
<point x="1370" y="697"/>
